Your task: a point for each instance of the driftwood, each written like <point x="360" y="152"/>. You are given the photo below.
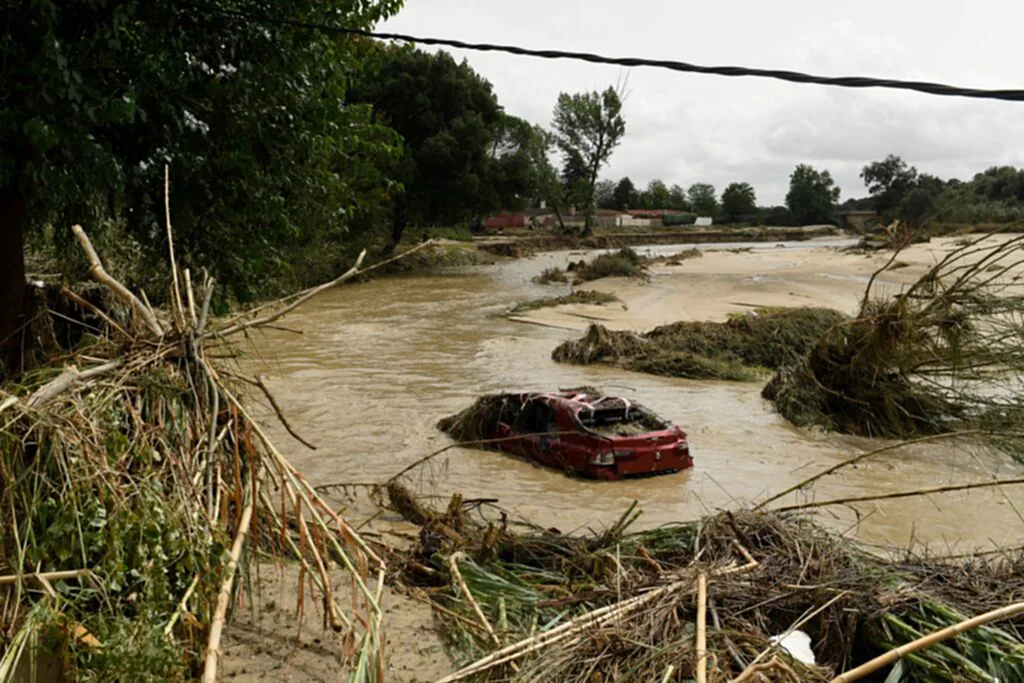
<point x="99" y="273"/>
<point x="66" y="380"/>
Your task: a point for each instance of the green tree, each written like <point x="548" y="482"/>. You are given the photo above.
<point x="548" y="187"/>
<point x="514" y="176"/>
<point x="812" y="195"/>
<point x="625" y="195"/>
<point x="658" y="195"/>
<point x="450" y="122"/>
<point x="738" y="199"/>
<point x="604" y="194"/>
<point x="677" y="198"/>
<point x="252" y="117"/>
<point x="889" y="181"/>
<point x="587" y="128"/>
<point x="702" y="197"/>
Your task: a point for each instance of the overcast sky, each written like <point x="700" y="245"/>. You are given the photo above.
<point x="686" y="128"/>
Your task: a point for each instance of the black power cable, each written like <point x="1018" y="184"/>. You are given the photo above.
<point x="685" y="67"/>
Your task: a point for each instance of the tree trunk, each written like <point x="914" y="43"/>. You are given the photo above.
<point x="13" y="289"/>
<point x="399" y="221"/>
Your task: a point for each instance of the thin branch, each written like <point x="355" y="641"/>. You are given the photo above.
<point x="220" y="614"/>
<point x="864" y="456"/>
<point x="901" y="494"/>
<point x="303" y="297"/>
<point x="280" y="414"/>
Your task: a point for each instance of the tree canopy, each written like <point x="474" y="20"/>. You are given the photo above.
<point x="812" y="195"/>
<point x="889" y="181"/>
<point x="738" y="199"/>
<point x="703" y="199"/>
<point x="625" y="195"/>
<point x="252" y="117"/>
<point x="587" y="129"/>
<point x="460" y="155"/>
<point x="658" y="196"/>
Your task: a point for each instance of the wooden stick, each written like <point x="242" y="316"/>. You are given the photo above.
<point x="178" y="309"/>
<point x="864" y="456"/>
<point x="182" y="606"/>
<point x="668" y="673"/>
<point x="901" y="494"/>
<point x="702" y="625"/>
<point x="48" y="576"/>
<point x="191" y="298"/>
<point x="220" y="614"/>
<point x="65" y="380"/>
<point x="98" y="273"/>
<point x="938" y="636"/>
<point x="280" y="414"/>
<point x="209" y="283"/>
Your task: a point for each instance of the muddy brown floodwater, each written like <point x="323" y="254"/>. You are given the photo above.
<point x="379" y="363"/>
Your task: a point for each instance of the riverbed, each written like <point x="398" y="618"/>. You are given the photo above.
<point x="377" y="364"/>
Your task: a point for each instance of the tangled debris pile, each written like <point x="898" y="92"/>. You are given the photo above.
<point x="704" y="600"/>
<point x="738" y="349"/>
<point x="135" y="486"/>
<point x="944" y="355"/>
<point x="622" y="263"/>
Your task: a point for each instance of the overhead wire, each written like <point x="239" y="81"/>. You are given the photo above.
<point x="929" y="88"/>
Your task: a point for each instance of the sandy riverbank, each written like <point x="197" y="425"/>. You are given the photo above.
<point x="726" y="282"/>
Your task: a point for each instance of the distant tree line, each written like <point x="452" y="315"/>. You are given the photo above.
<point x="898" y="191"/>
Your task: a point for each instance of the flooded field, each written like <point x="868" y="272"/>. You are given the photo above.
<point x="378" y="364"/>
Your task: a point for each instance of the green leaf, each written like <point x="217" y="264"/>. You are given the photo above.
<point x="896" y="675"/>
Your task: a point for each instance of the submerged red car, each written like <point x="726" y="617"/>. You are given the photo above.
<point x="581" y="432"/>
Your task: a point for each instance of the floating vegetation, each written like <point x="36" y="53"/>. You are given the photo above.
<point x="622" y="263"/>
<point x="582" y="296"/>
<point x="551" y="275"/>
<point x="738" y="349"/>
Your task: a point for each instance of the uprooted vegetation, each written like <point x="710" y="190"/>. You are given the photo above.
<point x="944" y="355"/>
<point x="622" y="263"/>
<point x="582" y="296"/>
<point x="521" y="603"/>
<point x="551" y="275"/>
<point x="738" y="349"/>
<point x="678" y="258"/>
<point x="136" y="490"/>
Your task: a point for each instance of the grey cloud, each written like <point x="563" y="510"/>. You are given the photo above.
<point x="686" y="128"/>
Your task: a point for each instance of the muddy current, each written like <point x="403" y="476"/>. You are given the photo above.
<point x="377" y="364"/>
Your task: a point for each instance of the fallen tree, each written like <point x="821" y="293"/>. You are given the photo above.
<point x="944" y="355"/>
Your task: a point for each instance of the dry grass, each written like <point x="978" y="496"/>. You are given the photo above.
<point x="633" y="595"/>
